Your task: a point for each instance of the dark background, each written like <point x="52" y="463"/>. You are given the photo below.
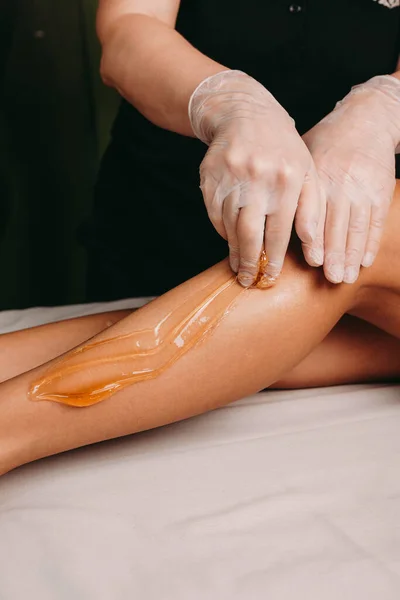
<point x="55" y="116"/>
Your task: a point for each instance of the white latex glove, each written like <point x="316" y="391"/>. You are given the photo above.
<point x="256" y="173"/>
<point x="354" y="153"/>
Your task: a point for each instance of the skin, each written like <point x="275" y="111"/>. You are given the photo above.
<point x="236" y="360"/>
<point x="148" y="62"/>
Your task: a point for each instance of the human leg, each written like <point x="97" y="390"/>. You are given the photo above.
<point x="353" y="352"/>
<point x="261" y="339"/>
<point x="23" y="350"/>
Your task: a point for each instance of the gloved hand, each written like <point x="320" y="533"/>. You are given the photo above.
<point x="354" y="153"/>
<point x="256" y="173"/>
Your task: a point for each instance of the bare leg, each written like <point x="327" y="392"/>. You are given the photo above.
<point x="24" y="350"/>
<point x="262" y="339"/>
<point x="353" y="352"/>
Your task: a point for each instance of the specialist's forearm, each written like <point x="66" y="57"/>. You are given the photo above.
<point x="265" y="334"/>
<point x="152" y="66"/>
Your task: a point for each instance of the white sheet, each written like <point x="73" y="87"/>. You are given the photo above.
<point x="285" y="495"/>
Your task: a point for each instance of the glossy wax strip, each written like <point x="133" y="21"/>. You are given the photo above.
<point x="95" y="371"/>
<point x="263" y="281"/>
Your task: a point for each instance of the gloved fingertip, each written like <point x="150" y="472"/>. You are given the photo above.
<point x="273" y="269"/>
<point x="245" y="279"/>
<point x="368" y="259"/>
<point x="351" y="274"/>
<point x="315" y="257"/>
<point x="335" y="273"/>
<point x="272" y="274"/>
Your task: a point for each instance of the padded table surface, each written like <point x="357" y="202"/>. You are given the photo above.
<point x="280" y="496"/>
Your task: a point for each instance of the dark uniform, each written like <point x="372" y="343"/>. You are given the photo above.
<point x="8" y="14"/>
<point x="149" y="230"/>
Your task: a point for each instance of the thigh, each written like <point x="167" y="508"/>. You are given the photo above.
<point x="353" y="352"/>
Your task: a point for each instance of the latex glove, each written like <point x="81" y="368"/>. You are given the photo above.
<point x="256" y="173"/>
<point x="354" y="153"/>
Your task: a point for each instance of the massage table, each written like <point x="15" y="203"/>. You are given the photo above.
<point x="284" y="495"/>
